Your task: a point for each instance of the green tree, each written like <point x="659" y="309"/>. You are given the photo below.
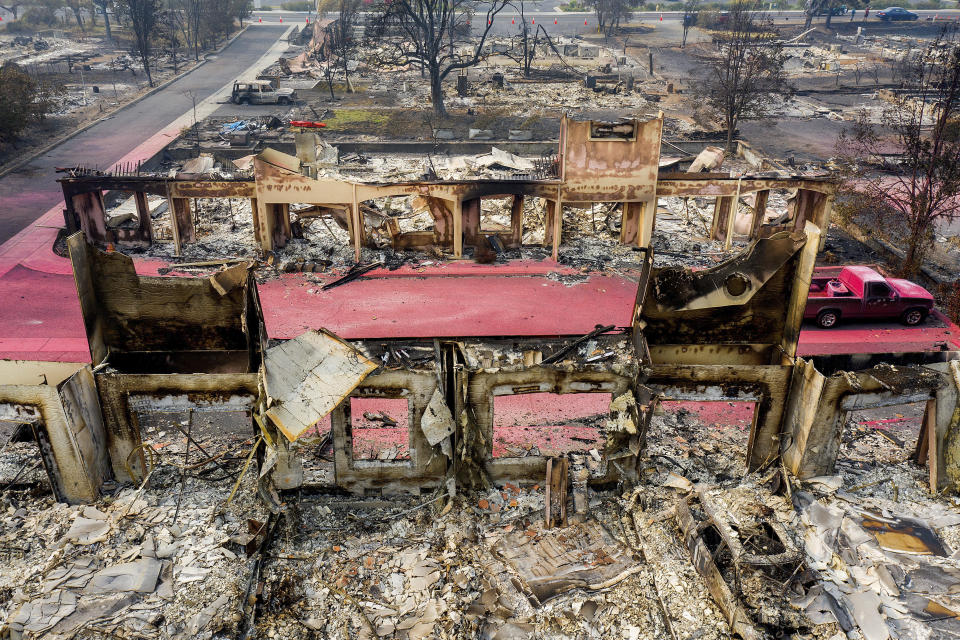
<point x="921" y="187"/>
<point x="22" y="101"/>
<point x="609" y="14"/>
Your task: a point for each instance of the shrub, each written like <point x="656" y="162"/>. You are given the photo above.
<point x="297" y="5"/>
<point x="41" y="15"/>
<point x="22" y="101"/>
<point x="18" y="27"/>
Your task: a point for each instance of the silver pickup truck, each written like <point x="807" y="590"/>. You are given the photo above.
<point x="260" y="92"/>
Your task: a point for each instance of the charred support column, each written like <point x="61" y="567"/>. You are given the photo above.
<point x="273" y="223"/>
<point x="636" y="225"/>
<point x="144" y="226"/>
<point x="722" y="210"/>
<point x="357" y="232"/>
<point x="630" y="222"/>
<point x="516" y="222"/>
<point x="800" y="290"/>
<point x="557" y="225"/>
<point x="89" y="210"/>
<point x="549" y="214"/>
<point x="442" y="221"/>
<point x="256" y="221"/>
<point x="181" y="222"/>
<point x="471" y="222"/>
<point x="457" y="228"/>
<point x="732" y="218"/>
<point x="759" y="211"/>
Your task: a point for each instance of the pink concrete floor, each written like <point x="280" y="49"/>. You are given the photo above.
<point x="554" y="424"/>
<point x="371" y="437"/>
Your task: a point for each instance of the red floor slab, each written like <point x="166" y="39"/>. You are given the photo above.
<point x="936" y="334"/>
<point x="436" y="302"/>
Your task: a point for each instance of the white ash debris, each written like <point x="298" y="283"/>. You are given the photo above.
<point x="31" y="50"/>
<point x="124" y="566"/>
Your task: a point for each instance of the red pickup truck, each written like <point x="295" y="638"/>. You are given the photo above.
<point x="861" y="292"/>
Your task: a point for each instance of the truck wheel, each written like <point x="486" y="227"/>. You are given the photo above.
<point x="828" y="318"/>
<point x="244" y="101"/>
<point x="283" y="100"/>
<point x="913" y="317"/>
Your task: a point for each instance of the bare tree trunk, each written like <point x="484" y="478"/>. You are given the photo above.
<point x="106" y="22"/>
<point x="436" y="93"/>
<point x="79" y="18"/>
<point x="916" y="250"/>
<point x="346" y="76"/>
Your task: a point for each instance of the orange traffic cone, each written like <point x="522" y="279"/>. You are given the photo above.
<point x="512" y="21"/>
<point x="261" y="19"/>
<point x="532" y="21"/>
<point x="281" y="18"/>
<point x="661" y="17"/>
<point x="554" y="21"/>
<point x="584" y="23"/>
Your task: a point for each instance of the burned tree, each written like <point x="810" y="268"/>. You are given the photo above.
<point x="691" y="11"/>
<point x="77" y="7"/>
<point x="13" y="7"/>
<point x="813" y="8"/>
<point x="417" y="33"/>
<point x="747" y="78"/>
<point x="609" y="14"/>
<point x="920" y="188"/>
<point x="525" y="49"/>
<point x="143" y="22"/>
<point x="104" y="5"/>
<point x="168" y="30"/>
<point x="340" y="41"/>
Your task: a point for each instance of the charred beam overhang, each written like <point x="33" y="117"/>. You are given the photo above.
<point x="714" y="184"/>
<point x="734" y="282"/>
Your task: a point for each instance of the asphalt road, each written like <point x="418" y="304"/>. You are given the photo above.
<point x="32" y="190"/>
<point x="546" y="13"/>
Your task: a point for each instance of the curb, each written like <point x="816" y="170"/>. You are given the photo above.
<point x="92" y="123"/>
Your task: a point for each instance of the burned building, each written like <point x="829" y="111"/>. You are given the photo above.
<point x="209" y="346"/>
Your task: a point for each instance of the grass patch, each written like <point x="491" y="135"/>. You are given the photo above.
<point x="348" y="119"/>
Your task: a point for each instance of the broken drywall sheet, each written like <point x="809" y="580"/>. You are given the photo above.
<point x="307" y="377"/>
<point x="437" y="421"/>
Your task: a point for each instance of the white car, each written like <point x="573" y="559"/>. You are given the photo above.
<point x="260" y="92"/>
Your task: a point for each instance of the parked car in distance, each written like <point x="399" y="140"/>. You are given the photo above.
<point x="260" y="92"/>
<point x="861" y="293"/>
<point x="896" y="13"/>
